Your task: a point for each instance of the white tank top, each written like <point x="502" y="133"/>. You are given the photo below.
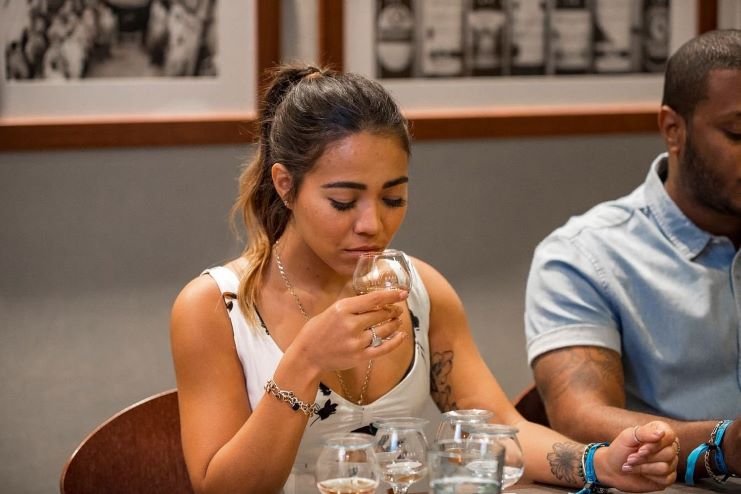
<point x="260" y="356"/>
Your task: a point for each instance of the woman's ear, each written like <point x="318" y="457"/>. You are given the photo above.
<point x="282" y="180"/>
<point x="673" y="129"/>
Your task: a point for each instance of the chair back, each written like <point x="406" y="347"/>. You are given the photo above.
<point x="136" y="450"/>
<point x="531" y="406"/>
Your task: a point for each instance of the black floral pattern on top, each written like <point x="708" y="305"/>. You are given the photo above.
<point x="415" y="320"/>
<point x="229" y="298"/>
<point x="368" y="429"/>
<point x="324" y="389"/>
<point x="328" y="409"/>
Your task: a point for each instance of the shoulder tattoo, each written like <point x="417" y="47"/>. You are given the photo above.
<point x="583" y="368"/>
<point x="440" y="390"/>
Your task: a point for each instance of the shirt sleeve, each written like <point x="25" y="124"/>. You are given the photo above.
<point x="567" y="302"/>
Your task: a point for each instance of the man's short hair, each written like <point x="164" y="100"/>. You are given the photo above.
<point x="685" y="79"/>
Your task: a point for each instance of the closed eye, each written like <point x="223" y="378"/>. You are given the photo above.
<point x="395" y="203"/>
<point x="345" y="206"/>
<point x="734" y="136"/>
<point x="341" y="206"/>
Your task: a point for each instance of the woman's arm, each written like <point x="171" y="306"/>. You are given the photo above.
<point x="225" y="442"/>
<point x="224" y="450"/>
<point x="460" y="379"/>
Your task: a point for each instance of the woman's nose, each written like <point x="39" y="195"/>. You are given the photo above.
<point x="369" y="220"/>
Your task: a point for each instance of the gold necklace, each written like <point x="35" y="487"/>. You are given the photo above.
<point x="301" y="309"/>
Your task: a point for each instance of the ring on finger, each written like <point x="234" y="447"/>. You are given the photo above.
<point x="375" y="339"/>
<point x="635" y="435"/>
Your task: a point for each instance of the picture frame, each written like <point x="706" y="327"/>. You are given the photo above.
<point x="525" y="106"/>
<point x="165" y="111"/>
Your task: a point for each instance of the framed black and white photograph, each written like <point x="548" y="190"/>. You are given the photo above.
<point x="108" y="72"/>
<point x="517" y="67"/>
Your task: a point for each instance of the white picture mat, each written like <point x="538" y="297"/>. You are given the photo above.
<point x="481" y="92"/>
<point x="232" y="92"/>
<point x="729" y="14"/>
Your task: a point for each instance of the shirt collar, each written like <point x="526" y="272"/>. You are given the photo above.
<point x="685" y="235"/>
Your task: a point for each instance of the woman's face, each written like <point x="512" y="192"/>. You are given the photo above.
<point x="353" y="200"/>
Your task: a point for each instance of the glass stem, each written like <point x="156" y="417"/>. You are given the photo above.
<point x="400" y="489"/>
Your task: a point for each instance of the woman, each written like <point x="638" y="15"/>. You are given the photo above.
<point x="329" y="182"/>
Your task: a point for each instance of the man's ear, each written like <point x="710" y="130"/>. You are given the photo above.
<point x="282" y="180"/>
<point x="673" y="129"/>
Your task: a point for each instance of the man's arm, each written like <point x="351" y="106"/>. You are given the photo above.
<point x="584" y="395"/>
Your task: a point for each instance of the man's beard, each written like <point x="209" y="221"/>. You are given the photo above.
<point x="703" y="182"/>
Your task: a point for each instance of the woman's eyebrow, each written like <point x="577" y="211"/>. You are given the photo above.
<point x="359" y="186"/>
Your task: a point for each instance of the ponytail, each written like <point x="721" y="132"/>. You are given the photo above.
<point x="303" y="111"/>
<point x="263" y="212"/>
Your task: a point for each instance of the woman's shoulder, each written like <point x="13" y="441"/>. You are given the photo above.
<point x="439" y="289"/>
<point x="199" y="307"/>
<point x="430" y="276"/>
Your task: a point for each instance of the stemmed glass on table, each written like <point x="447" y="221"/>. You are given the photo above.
<point x="506" y="435"/>
<point x="347" y="465"/>
<point x="385" y="270"/>
<point x="458" y="424"/>
<point x="401" y="451"/>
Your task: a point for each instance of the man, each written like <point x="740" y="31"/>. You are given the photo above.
<point x="632" y="310"/>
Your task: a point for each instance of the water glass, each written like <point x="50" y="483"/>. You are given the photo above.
<point x="347" y="465"/>
<point x="458" y="424"/>
<point x="469" y="466"/>
<point x="514" y="463"/>
<point x="401" y="451"/>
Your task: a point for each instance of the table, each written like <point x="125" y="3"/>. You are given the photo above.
<point x="705" y="486"/>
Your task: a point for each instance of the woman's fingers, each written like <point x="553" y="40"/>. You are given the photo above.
<point x="649" y="433"/>
<point x="666" y="455"/>
<point x="647" y="439"/>
<point x="377" y="317"/>
<point x="370" y="302"/>
<point x="654" y="470"/>
<point x="389" y="344"/>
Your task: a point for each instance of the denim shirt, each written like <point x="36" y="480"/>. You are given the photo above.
<point x="636" y="276"/>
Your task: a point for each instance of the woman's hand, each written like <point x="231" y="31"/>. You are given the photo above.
<point x="639" y="459"/>
<point x="340" y="337"/>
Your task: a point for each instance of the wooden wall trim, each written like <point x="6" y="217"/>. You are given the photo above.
<point x="707" y="15"/>
<point x="534" y="122"/>
<point x="331" y="33"/>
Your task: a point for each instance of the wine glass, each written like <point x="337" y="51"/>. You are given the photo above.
<point x="401" y="451"/>
<point x="385" y="270"/>
<point x="514" y="463"/>
<point x="347" y="464"/>
<point x="465" y="466"/>
<point x="457" y="424"/>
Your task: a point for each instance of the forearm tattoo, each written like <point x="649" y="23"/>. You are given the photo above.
<point x="442" y="394"/>
<point x="564" y="460"/>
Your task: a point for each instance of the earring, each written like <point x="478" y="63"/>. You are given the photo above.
<point x="286" y="204"/>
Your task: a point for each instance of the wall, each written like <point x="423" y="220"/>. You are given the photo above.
<point x="94" y="246"/>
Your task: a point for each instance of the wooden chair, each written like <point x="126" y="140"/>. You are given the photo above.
<point x="136" y="450"/>
<point x="531" y="406"/>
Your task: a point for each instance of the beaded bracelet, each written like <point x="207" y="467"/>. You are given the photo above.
<point x="713" y="445"/>
<point x="580" y="471"/>
<point x="308" y="409"/>
<point x="592" y="484"/>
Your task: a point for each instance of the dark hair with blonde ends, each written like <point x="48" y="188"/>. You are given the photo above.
<point x="305" y="109"/>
